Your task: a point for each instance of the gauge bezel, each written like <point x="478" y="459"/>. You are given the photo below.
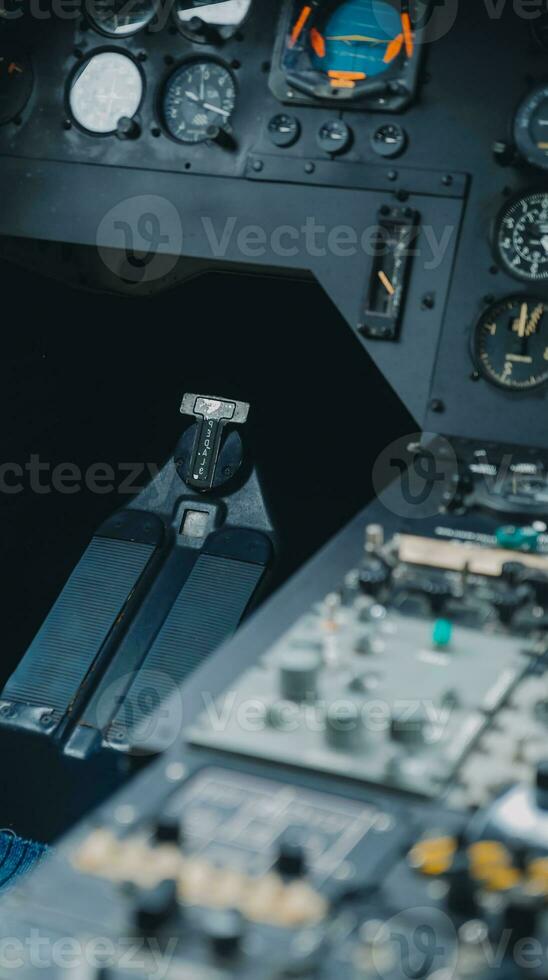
<point x="79" y="68"/>
<point x="474" y="344"/>
<point x="497" y="224"/>
<point x="194" y="59"/>
<point x="95" y="26"/>
<point x="289" y="91"/>
<point x="226" y="31"/>
<point x="524" y="111"/>
<point x="23" y="55"/>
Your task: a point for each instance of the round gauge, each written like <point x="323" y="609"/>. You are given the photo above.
<point x="522" y="237"/>
<point x="389" y="140"/>
<point x="210" y="21"/>
<point x="107" y="87"/>
<point x="16" y="81"/>
<point x="199" y="99"/>
<point x="511" y="343"/>
<point x="531" y="127"/>
<point x="120" y="18"/>
<point x="334" y="137"/>
<point x="284" y="130"/>
<point x="360" y="36"/>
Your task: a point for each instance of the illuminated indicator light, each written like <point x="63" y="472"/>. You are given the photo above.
<point x="433" y="856"/>
<point x="538" y="870"/>
<point x="489" y="852"/>
<point x="501" y="879"/>
<point x="298" y="28"/>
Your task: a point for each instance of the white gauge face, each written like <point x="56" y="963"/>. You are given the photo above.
<point x="224" y="13"/>
<point x="108" y="87"/>
<point x="120" y="18"/>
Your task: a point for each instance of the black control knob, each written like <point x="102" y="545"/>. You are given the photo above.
<point x="291" y="860"/>
<point x="218" y="135"/>
<point x="408" y="730"/>
<point x="156" y="906"/>
<point x="512" y="572"/>
<point x="224" y="931"/>
<point x="168" y="830"/>
<point x="127" y="128"/>
<point x="373" y="574"/>
<point x="507" y="600"/>
<point x="461" y="897"/>
<point x="204" y="32"/>
<point x="504" y="153"/>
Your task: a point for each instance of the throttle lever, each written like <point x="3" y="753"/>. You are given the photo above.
<point x="212" y="414"/>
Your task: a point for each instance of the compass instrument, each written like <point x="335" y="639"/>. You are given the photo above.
<point x="521" y="237"/>
<point x="106" y="88"/>
<point x="349" y="50"/>
<point x="511" y="343"/>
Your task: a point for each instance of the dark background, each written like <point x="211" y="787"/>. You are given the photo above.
<point x="89" y="378"/>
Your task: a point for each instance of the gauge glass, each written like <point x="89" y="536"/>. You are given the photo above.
<point x="522" y="237"/>
<point x="511" y="343"/>
<point x="531" y="127"/>
<point x="360" y="37"/>
<point x="108" y="86"/>
<point x="224" y="13"/>
<point x="16" y="81"/>
<point x="198" y="96"/>
<point x="120" y="18"/>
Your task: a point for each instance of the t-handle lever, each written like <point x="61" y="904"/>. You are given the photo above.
<point x="212" y="414"/>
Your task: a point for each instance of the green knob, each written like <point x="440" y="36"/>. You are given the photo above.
<point x="517" y="538"/>
<point x="441" y="634"/>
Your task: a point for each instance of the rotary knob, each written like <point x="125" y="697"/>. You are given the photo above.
<point x="299" y="672"/>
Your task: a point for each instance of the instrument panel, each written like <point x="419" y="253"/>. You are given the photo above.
<point x="353" y="144"/>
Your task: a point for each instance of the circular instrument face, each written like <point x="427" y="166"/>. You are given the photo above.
<point x="108" y="86"/>
<point x="120" y="18"/>
<point x="199" y="97"/>
<point x="522" y="237"/>
<point x="511" y="343"/>
<point x="284" y="130"/>
<point x="16" y="81"/>
<point x="361" y="37"/>
<point x="334" y="136"/>
<point x="223" y="13"/>
<point x="531" y="127"/>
